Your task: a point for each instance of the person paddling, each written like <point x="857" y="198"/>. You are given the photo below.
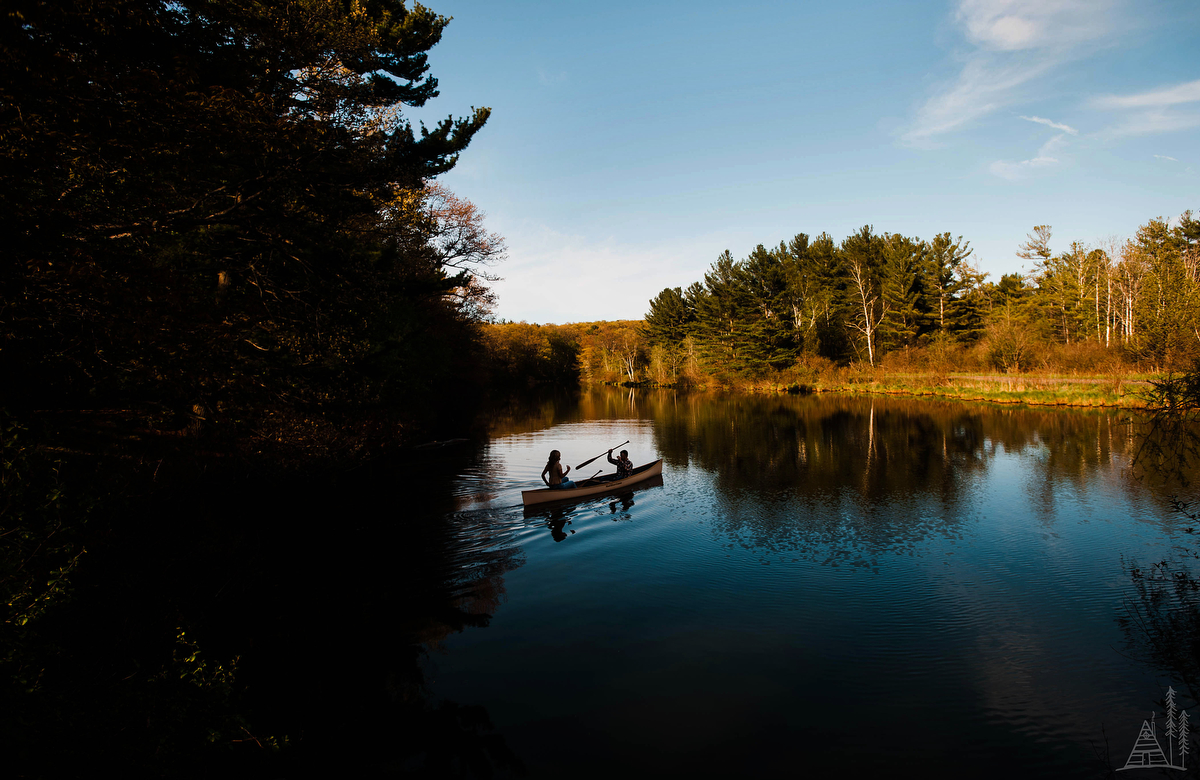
<point x="623" y="463"/>
<point x="558" y="477"/>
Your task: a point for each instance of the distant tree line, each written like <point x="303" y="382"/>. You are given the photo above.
<point x="873" y="295"/>
<point x="889" y="301"/>
<point x="521" y="354"/>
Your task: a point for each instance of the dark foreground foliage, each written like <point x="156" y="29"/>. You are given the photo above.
<point x="225" y="253"/>
<point x="218" y="227"/>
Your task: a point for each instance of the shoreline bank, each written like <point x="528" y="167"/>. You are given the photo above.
<point x="1032" y="390"/>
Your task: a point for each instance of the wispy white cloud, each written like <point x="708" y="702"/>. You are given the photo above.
<point x="1155" y="98"/>
<point x="1015" y="171"/>
<point x="1160" y="110"/>
<point x="1054" y="145"/>
<point x="1050" y="123"/>
<point x="1015" y="25"/>
<point x="1012" y="44"/>
<point x="1152" y="123"/>
<point x="982" y="87"/>
<point x="1164" y="157"/>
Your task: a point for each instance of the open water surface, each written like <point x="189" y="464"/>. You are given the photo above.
<point x="823" y="584"/>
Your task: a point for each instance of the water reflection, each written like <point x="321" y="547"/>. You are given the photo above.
<point x="557" y="522"/>
<point x="848" y="477"/>
<point x="626" y="503"/>
<point x="876" y="444"/>
<point x="955" y="565"/>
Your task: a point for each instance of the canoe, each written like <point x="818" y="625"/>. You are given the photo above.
<point x="592" y="487"/>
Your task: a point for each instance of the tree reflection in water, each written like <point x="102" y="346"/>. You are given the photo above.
<point x="840" y="473"/>
<point x="856" y="476"/>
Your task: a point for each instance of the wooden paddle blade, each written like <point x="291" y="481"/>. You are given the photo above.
<point x="588" y="461"/>
<point x="581" y="465"/>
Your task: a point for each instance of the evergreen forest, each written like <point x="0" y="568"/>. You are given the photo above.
<point x="891" y="301"/>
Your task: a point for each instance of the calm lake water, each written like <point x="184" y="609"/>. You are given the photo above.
<point x="820" y="584"/>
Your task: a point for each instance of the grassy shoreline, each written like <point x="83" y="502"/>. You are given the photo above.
<point x="1126" y="391"/>
<point x="1029" y="392"/>
<point x="1032" y="390"/>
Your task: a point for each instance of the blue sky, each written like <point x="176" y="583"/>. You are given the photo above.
<point x="631" y="143"/>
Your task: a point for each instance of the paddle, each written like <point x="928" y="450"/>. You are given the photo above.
<point x="581" y="465"/>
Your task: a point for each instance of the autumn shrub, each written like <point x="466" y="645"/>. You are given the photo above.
<point x="901" y="361"/>
<point x="940" y="357"/>
<point x="815" y="370"/>
<point x="1011" y="345"/>
<point x="1081" y="357"/>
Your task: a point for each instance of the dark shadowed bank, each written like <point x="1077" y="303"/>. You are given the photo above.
<point x="262" y="625"/>
<point x="228" y="266"/>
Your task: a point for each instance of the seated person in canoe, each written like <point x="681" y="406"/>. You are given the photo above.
<point x="623" y="463"/>
<point x="557" y="476"/>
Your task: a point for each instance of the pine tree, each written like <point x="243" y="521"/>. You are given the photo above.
<point x="766" y="277"/>
<point x="903" y="290"/>
<point x="1167" y="315"/>
<point x="1036" y="248"/>
<point x="726" y="318"/>
<point x="943" y="258"/>
<point x="814" y="287"/>
<point x="671" y="318"/>
<point x="972" y="306"/>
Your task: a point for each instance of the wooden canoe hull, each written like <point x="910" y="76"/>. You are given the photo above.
<point x="589" y="487"/>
